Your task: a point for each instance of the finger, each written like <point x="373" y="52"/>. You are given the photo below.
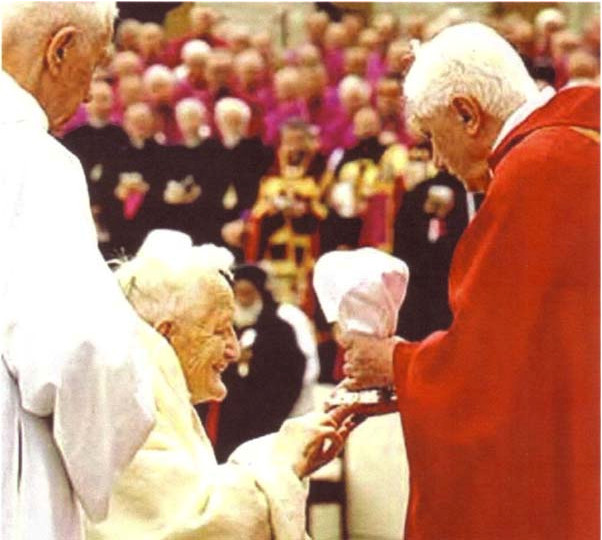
<point x="341" y="414"/>
<point x="349" y="383"/>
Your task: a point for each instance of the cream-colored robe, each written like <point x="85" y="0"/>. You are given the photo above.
<point x="174" y="489"/>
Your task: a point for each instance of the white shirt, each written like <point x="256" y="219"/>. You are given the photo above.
<point x="75" y="401"/>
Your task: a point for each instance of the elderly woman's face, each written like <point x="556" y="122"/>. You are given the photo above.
<point x="205" y="343"/>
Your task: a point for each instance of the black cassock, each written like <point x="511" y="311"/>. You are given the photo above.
<point x="96" y="149"/>
<point x="228" y="178"/>
<point x="426" y="307"/>
<point x="259" y="402"/>
<point x="149" y="162"/>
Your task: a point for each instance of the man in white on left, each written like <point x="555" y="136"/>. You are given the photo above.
<point x="75" y="405"/>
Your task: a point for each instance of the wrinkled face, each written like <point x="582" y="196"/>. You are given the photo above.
<point x="205" y="343"/>
<point x="248" y="303"/>
<point x="461" y="154"/>
<point x="72" y="85"/>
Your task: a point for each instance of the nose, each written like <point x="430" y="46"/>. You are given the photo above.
<point x="232" y="349"/>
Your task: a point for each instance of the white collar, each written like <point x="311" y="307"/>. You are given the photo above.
<point x="520" y="114"/>
<point x="18" y="105"/>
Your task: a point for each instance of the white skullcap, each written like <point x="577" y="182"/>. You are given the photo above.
<point x="362" y="290"/>
<point x="161" y="242"/>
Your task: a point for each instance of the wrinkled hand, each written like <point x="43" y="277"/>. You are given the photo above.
<point x="308" y="442"/>
<point x="368" y="361"/>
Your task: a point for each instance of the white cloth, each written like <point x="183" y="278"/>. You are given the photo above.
<point x="306" y="341"/>
<point x="174" y="487"/>
<point x="362" y="290"/>
<point x="525" y="110"/>
<point x="75" y="404"/>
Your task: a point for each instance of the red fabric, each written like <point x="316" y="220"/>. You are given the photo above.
<point x="501" y="413"/>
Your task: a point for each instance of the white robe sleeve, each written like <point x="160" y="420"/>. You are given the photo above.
<point x="71" y="339"/>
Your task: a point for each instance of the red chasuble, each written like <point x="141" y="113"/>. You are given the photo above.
<point x="501" y="413"/>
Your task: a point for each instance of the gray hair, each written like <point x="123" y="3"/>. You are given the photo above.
<point x="30" y="23"/>
<point x="353" y="83"/>
<point x="228" y="105"/>
<point x="467" y="59"/>
<point x="188" y="105"/>
<point x="169" y="276"/>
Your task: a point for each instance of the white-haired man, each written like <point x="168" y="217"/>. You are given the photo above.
<point x="501" y="411"/>
<point x="240" y="162"/>
<point x="74" y="403"/>
<point x="174" y="488"/>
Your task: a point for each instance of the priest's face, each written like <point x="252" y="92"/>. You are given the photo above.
<point x="458" y="146"/>
<point x="69" y="84"/>
<point x="205" y="343"/>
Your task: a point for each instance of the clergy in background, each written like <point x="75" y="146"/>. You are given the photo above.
<point x="75" y="404"/>
<point x="501" y="413"/>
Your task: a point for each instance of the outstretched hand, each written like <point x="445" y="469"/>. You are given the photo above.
<point x="315" y="439"/>
<point x="368" y="361"/>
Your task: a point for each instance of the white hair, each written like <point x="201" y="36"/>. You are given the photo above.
<point x="353" y="83"/>
<point x="249" y="56"/>
<point x="158" y="72"/>
<point x="195" y="48"/>
<point x="549" y="16"/>
<point x="468" y="59"/>
<point x="228" y="105"/>
<point x="169" y="276"/>
<point x="186" y="105"/>
<point x="27" y="25"/>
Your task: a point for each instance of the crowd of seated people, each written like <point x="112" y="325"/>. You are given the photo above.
<point x="282" y="155"/>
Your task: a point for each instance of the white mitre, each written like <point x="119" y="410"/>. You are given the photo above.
<point x="362" y="290"/>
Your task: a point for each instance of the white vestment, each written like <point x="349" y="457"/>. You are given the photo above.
<point x="75" y="399"/>
<point x="174" y="488"/>
<point x="306" y="341"/>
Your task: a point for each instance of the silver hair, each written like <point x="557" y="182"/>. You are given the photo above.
<point x="158" y="72"/>
<point x="353" y="83"/>
<point x="186" y="105"/>
<point x="30" y="23"/>
<point x="467" y="59"/>
<point x="169" y="276"/>
<point x="195" y="48"/>
<point x="227" y="105"/>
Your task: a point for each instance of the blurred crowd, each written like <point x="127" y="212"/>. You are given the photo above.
<point x="284" y="154"/>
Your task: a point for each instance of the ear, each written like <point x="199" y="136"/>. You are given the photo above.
<point x="470" y="112"/>
<point x="58" y="48"/>
<point x="164" y="328"/>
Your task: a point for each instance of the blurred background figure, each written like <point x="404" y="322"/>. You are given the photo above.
<point x="264" y="384"/>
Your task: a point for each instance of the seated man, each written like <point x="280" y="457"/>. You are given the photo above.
<point x="174" y="488"/>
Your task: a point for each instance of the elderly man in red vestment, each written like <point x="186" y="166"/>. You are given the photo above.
<point x="501" y="412"/>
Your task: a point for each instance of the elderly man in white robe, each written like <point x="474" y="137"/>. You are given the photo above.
<point x="75" y="404"/>
<point x="174" y="487"/>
